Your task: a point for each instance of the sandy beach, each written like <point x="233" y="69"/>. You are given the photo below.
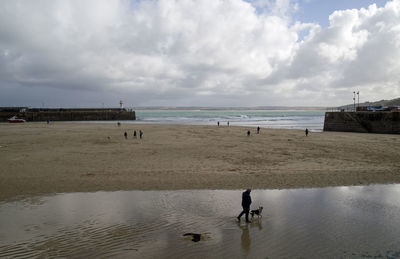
<point x="40" y="158"/>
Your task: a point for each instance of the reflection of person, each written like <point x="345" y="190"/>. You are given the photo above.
<point x="246" y="201"/>
<point x="245" y="239"/>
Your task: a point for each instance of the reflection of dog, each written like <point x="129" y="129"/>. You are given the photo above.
<point x="257" y="212"/>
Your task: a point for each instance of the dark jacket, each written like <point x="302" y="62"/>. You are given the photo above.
<point x="246" y="199"/>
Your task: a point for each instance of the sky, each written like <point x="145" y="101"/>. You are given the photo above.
<point x="224" y="53"/>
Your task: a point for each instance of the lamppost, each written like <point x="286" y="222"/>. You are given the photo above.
<point x="358" y="101"/>
<point x="354" y="99"/>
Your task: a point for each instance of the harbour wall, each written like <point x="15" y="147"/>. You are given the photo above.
<point x="69" y="114"/>
<point x="387" y="122"/>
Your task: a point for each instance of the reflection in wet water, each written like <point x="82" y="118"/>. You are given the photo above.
<point x="245" y="238"/>
<point x="310" y="223"/>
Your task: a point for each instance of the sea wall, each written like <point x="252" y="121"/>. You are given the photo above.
<point x="70" y="115"/>
<point x="367" y="122"/>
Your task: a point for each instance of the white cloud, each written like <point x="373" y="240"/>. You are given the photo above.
<point x="194" y="52"/>
<point x="358" y="51"/>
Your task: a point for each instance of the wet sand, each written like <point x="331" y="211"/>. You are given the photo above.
<point x="37" y="158"/>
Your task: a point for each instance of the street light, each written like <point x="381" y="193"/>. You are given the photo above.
<point x="354" y="99"/>
<point x="358" y="96"/>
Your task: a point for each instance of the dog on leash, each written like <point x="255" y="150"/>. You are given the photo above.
<point x="257" y="212"/>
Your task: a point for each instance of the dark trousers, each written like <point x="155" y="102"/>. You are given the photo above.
<point x="246" y="211"/>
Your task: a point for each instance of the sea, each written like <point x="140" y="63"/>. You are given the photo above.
<point x="280" y="119"/>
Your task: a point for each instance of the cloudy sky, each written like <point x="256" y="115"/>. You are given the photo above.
<point x="93" y="53"/>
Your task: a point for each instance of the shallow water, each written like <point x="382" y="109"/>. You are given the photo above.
<point x="337" y="222"/>
<point x="281" y="119"/>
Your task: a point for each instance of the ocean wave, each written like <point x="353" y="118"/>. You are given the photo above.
<point x="265" y="119"/>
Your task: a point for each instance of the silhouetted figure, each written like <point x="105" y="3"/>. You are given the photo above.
<point x="228" y="123"/>
<point x="126" y="135"/>
<point x="119" y="124"/>
<point x="134" y="134"/>
<point x="258" y="130"/>
<point x="218" y="124"/>
<point x="246" y="201"/>
<point x="140" y="133"/>
<point x="306" y="132"/>
<point x="248" y="133"/>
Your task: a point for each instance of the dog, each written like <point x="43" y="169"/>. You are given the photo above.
<point x="195" y="237"/>
<point x="256" y="212"/>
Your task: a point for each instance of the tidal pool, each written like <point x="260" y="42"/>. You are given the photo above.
<point x="335" y="222"/>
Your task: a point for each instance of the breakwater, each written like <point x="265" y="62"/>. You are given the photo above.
<point x="79" y="114"/>
<point x="387" y="122"/>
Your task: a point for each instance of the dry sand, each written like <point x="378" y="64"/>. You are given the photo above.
<point x="37" y="158"/>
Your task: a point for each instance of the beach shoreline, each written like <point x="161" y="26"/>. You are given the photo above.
<point x="62" y="157"/>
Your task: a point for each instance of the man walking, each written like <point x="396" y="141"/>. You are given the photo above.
<point x="246" y="201"/>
